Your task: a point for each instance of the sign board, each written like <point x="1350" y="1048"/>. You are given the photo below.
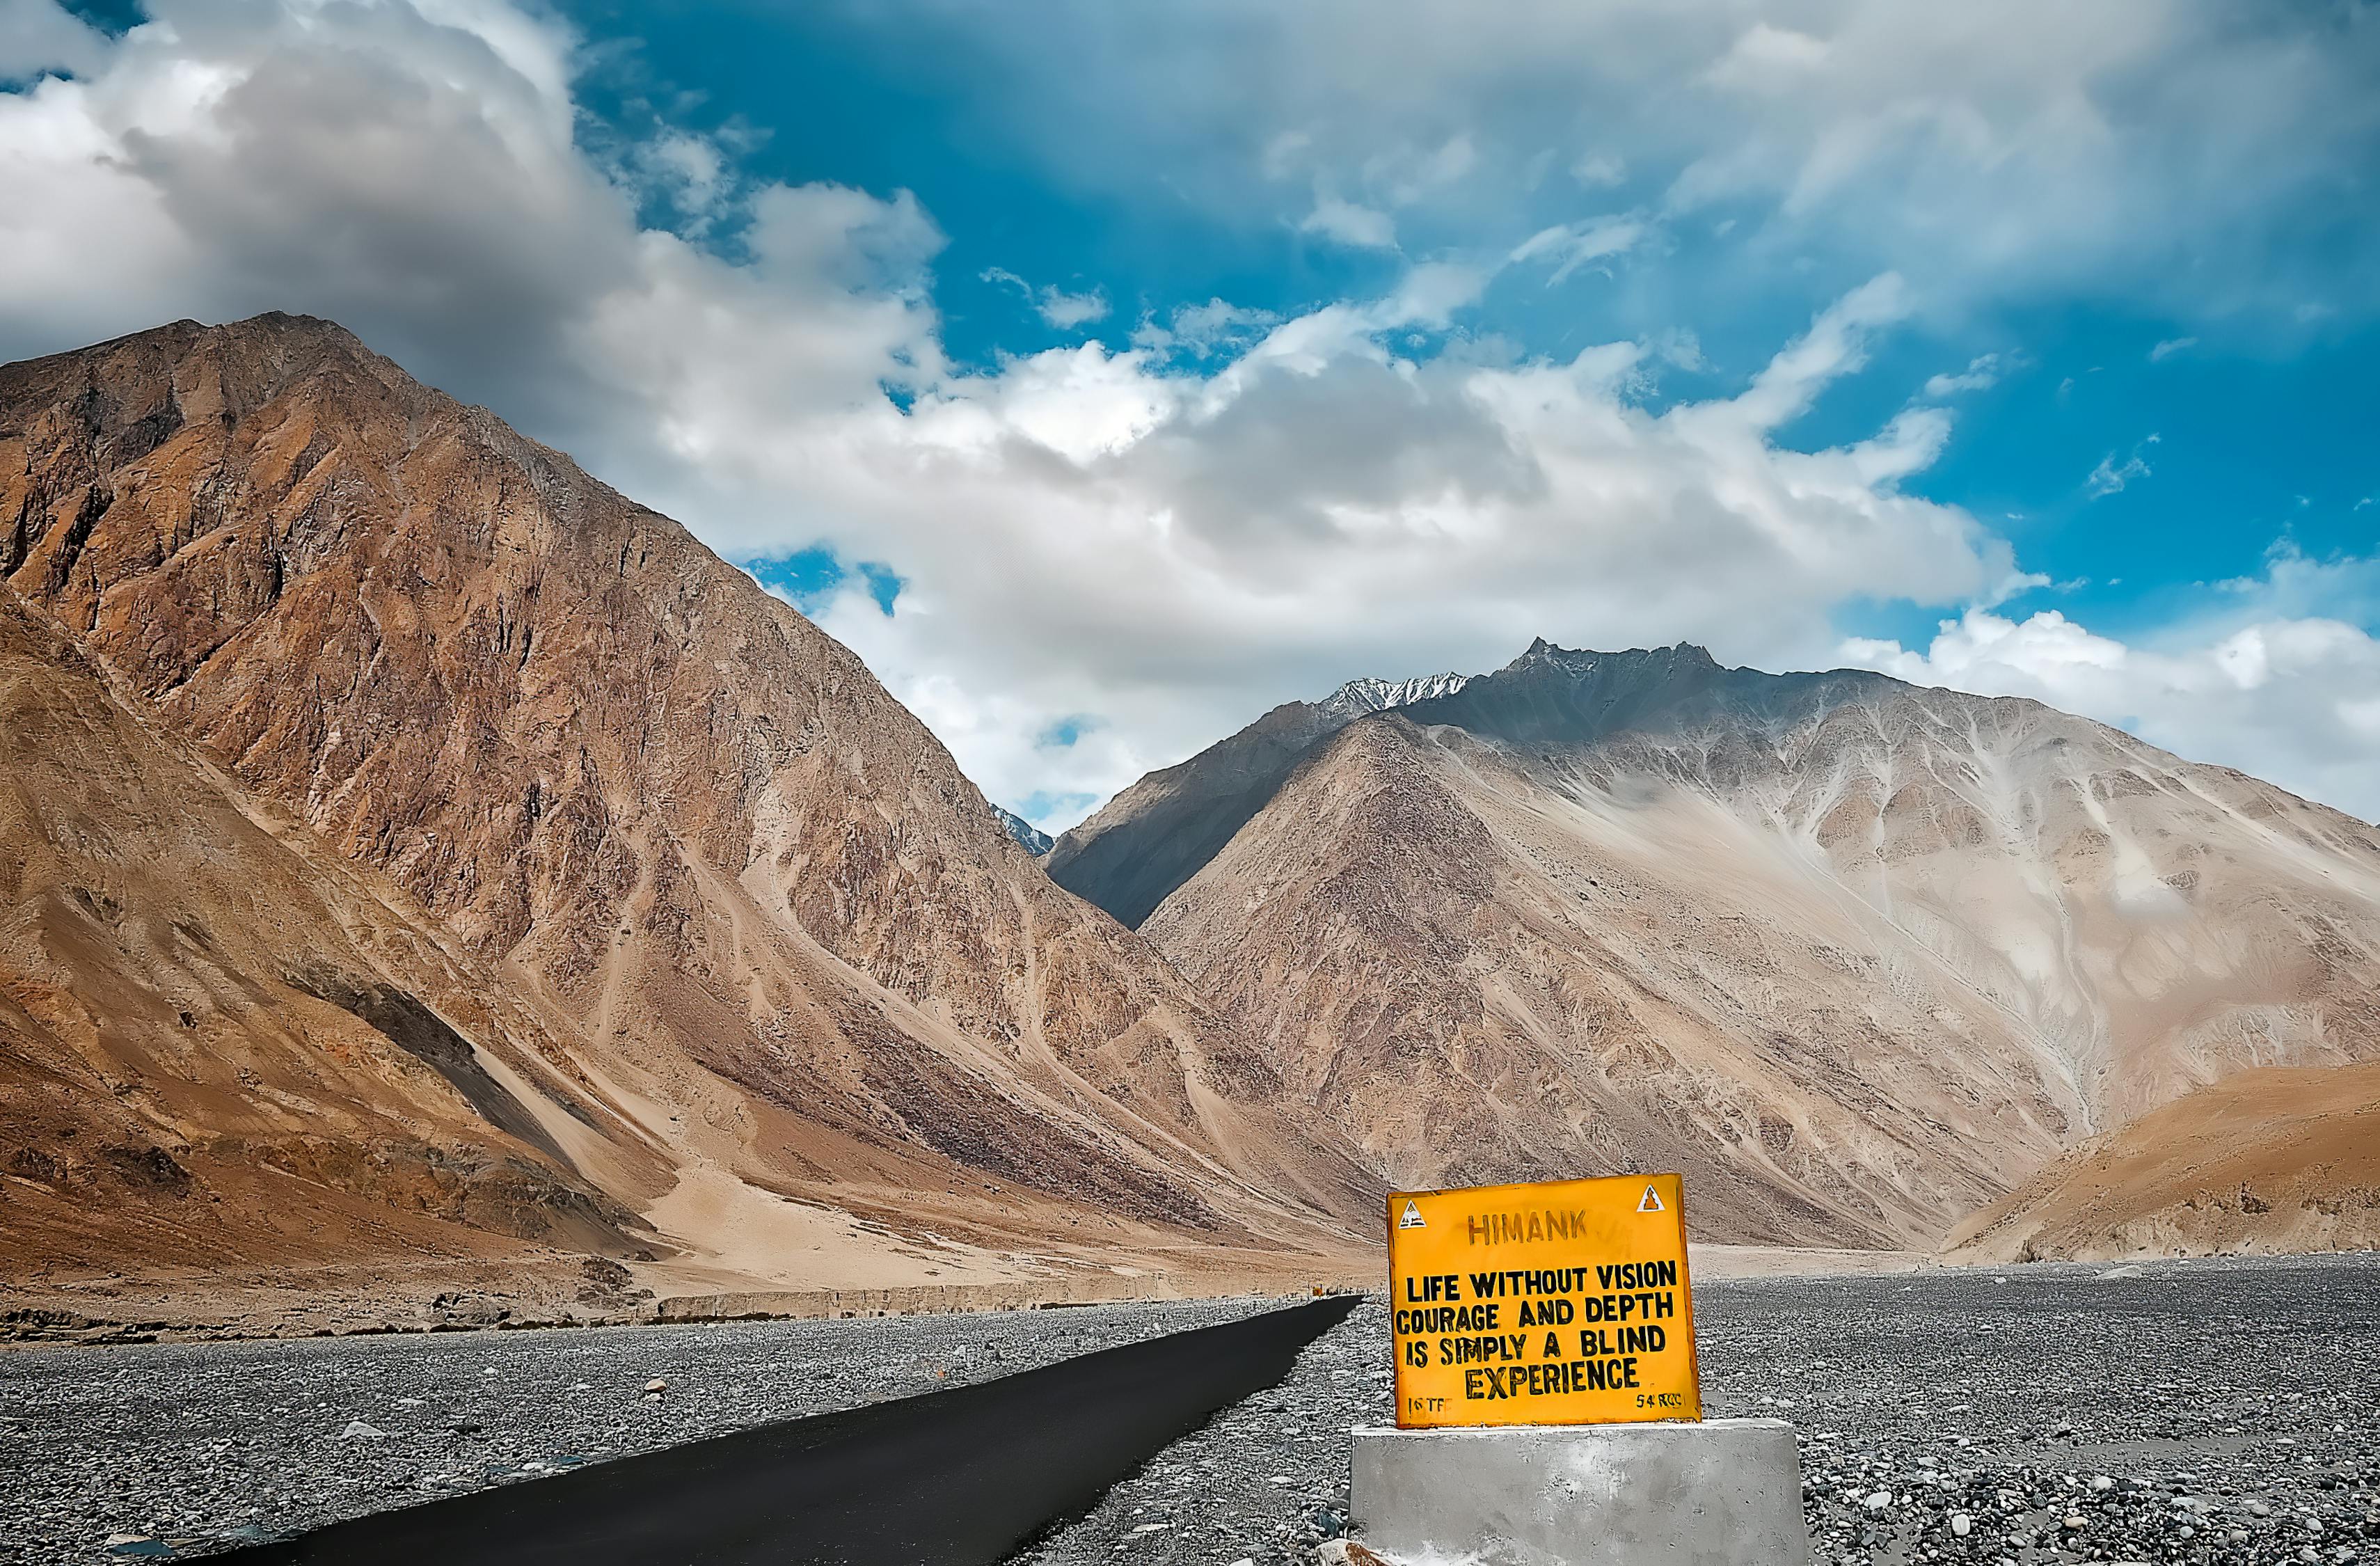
<point x="1561" y="1303"/>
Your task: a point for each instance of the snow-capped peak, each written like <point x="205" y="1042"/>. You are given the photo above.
<point x="1357" y="698"/>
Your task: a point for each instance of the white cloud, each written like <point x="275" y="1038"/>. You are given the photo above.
<point x="1055" y="306"/>
<point x="1205" y="328"/>
<point x="2169" y="348"/>
<point x="2177" y="152"/>
<point x="1572" y="246"/>
<point x="2108" y="478"/>
<point x="1405" y="177"/>
<point x="2279" y="681"/>
<point x="2111" y="476"/>
<point x="1234" y="510"/>
<point x="1067" y="311"/>
<point x="1983" y="372"/>
<point x="1600" y="170"/>
<point x="41" y="35"/>
<point x="1344" y="220"/>
<point x="691" y="172"/>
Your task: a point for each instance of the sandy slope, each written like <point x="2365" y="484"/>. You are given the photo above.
<point x="1856" y="955"/>
<point x="782" y="953"/>
<point x="2279" y="1159"/>
<point x="203" y="1057"/>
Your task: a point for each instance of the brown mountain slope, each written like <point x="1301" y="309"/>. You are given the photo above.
<point x="2277" y="1160"/>
<point x="798" y="950"/>
<point x="216" y="1052"/>
<point x="1149" y="838"/>
<point x="1860" y="956"/>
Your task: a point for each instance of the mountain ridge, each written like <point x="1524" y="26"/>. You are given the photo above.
<point x="1980" y="901"/>
<point x="768" y="915"/>
<point x="1137" y="847"/>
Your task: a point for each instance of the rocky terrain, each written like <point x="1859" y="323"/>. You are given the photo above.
<point x="2276" y="1160"/>
<point x="1028" y="836"/>
<point x="1857" y="956"/>
<point x="2214" y="1412"/>
<point x="421" y="852"/>
<point x="1153" y="835"/>
<point x="184" y="1449"/>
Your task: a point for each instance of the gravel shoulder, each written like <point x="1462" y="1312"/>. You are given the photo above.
<point x="182" y="1449"/>
<point x="2201" y="1411"/>
<point x="2206" y="1412"/>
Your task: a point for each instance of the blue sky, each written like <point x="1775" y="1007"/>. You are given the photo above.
<point x="1105" y="375"/>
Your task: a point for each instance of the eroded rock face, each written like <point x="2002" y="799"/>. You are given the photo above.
<point x="218" y="1049"/>
<point x="2276" y="1160"/>
<point x="750" y="894"/>
<point x="1138" y="847"/>
<point x="1855" y="956"/>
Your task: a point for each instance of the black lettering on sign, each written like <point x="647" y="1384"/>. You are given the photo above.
<point x="1448" y="1318"/>
<point x="1509" y="1228"/>
<point x="1633" y="1275"/>
<point x="1495" y="1383"/>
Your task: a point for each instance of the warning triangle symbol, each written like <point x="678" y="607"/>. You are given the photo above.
<point x="1412" y="1217"/>
<point x="1652" y="1202"/>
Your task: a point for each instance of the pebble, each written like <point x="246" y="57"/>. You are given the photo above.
<point x="177" y="1441"/>
<point x="2144" y="1379"/>
<point x="175" y="1451"/>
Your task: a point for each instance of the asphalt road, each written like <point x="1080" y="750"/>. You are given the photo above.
<point x="187" y="1449"/>
<point x="959" y="1477"/>
<point x="2231" y="1408"/>
<point x="2211" y="1412"/>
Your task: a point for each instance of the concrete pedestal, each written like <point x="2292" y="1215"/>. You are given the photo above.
<point x="1726" y="1492"/>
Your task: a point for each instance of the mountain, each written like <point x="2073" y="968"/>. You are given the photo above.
<point x="2274" y="1159"/>
<point x="1856" y="955"/>
<point x="217" y="1050"/>
<point x="1150" y="838"/>
<point x="804" y="1010"/>
<point x="1024" y="833"/>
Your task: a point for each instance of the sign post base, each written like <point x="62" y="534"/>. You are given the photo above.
<point x="1723" y="1492"/>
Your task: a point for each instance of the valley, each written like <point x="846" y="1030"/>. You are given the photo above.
<point x="440" y="890"/>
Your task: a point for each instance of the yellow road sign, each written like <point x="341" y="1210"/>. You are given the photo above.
<point x="1561" y="1302"/>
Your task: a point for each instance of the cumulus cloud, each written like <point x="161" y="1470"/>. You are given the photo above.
<point x="41" y="35"/>
<point x="2176" y="150"/>
<point x="1147" y="544"/>
<point x="1204" y="330"/>
<point x="2277" y="680"/>
<point x="1345" y="222"/>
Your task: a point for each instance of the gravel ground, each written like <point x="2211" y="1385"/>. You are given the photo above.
<point x="176" y="1449"/>
<point x="2203" y="1412"/>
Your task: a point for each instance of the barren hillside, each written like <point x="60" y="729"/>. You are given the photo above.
<point x="1153" y="835"/>
<point x="771" y="925"/>
<point x="2277" y="1160"/>
<point x="216" y="1052"/>
<point x="1861" y="955"/>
